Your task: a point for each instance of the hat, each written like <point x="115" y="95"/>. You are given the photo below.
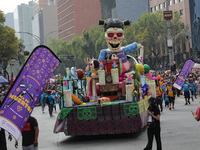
<point x="53" y="92"/>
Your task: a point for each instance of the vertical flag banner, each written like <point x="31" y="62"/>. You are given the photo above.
<point x="183" y="74"/>
<point x="26" y="89"/>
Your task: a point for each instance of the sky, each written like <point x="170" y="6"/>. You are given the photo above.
<point x="8" y="6"/>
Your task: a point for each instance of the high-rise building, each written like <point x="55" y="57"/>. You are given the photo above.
<point x="180" y="6"/>
<point x="44" y="21"/>
<point x="9" y="20"/>
<point x="76" y="15"/>
<point x="123" y="9"/>
<point x="23" y="25"/>
<point x="50" y="23"/>
<point x="181" y="53"/>
<point x="195" y="29"/>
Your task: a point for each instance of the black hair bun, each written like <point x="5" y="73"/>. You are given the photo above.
<point x="127" y="22"/>
<point x="101" y="22"/>
<point x="96" y="64"/>
<point x="114" y="23"/>
<point x="152" y="100"/>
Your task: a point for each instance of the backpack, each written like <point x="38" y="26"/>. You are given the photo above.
<point x="47" y="100"/>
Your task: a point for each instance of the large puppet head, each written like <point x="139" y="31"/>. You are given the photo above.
<point x="114" y="33"/>
<point x="93" y="64"/>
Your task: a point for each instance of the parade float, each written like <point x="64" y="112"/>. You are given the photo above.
<point x="113" y="96"/>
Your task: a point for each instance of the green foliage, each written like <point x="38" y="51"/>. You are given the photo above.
<point x="2" y="18"/>
<point x="65" y="73"/>
<point x="151" y="31"/>
<point x="21" y="56"/>
<point x="9" y="45"/>
<point x="88" y="45"/>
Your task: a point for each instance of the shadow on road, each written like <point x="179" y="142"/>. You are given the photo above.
<point x="96" y="138"/>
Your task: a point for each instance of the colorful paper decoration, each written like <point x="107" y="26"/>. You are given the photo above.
<point x="102" y="80"/>
<point x="115" y="76"/>
<point x="67" y="98"/>
<point x="140" y="68"/>
<point x="146" y="68"/>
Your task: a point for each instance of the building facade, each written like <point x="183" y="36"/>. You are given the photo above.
<point x="129" y="9"/>
<point x="195" y="29"/>
<point x="124" y="10"/>
<point x="50" y="23"/>
<point x="181" y="6"/>
<point x="74" y="16"/>
<point x="181" y="54"/>
<point x="9" y="20"/>
<point x="44" y="21"/>
<point x="23" y="25"/>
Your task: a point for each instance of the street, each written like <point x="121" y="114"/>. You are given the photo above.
<point x="179" y="131"/>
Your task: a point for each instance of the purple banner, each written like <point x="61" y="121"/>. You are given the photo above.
<point x="28" y="86"/>
<point x="183" y="74"/>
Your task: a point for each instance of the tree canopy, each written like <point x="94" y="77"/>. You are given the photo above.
<point x="9" y="44"/>
<point x="150" y="30"/>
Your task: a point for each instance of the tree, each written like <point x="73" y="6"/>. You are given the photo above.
<point x="20" y="54"/>
<point x="87" y="45"/>
<point x="9" y="44"/>
<point x="151" y="31"/>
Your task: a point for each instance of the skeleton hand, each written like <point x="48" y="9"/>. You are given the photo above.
<point x="140" y="46"/>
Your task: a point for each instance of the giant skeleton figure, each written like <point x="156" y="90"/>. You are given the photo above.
<point x="114" y="35"/>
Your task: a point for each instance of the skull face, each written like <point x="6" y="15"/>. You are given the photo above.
<point x="87" y="114"/>
<point x="114" y="38"/>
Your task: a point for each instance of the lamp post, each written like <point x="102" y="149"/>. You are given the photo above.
<point x="37" y="38"/>
<point x="33" y="35"/>
<point x="169" y="40"/>
<point x="45" y="37"/>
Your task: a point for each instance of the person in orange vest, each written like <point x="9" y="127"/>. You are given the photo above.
<point x="159" y="100"/>
<point x="171" y="95"/>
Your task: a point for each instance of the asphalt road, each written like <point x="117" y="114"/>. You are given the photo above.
<point x="179" y="131"/>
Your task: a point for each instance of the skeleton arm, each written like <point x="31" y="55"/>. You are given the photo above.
<point x="102" y="55"/>
<point x="131" y="48"/>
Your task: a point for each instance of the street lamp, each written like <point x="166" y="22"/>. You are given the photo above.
<point x="45" y="37"/>
<point x="33" y="35"/>
<point x="169" y="41"/>
<point x="37" y="38"/>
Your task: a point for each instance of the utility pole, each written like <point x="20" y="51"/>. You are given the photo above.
<point x="169" y="40"/>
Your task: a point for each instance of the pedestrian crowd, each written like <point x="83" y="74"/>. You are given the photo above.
<point x="51" y="98"/>
<point x="165" y="91"/>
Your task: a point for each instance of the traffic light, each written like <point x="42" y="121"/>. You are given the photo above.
<point x="26" y="53"/>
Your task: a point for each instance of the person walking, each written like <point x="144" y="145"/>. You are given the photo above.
<point x="165" y="95"/>
<point x="30" y="135"/>
<point x="42" y="100"/>
<point x="186" y="89"/>
<point x="171" y="95"/>
<point x="54" y="100"/>
<point x="153" y="125"/>
<point x="192" y="89"/>
<point x="159" y="99"/>
<point x="51" y="103"/>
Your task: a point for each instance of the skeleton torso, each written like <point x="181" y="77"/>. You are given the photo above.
<point x="121" y="55"/>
